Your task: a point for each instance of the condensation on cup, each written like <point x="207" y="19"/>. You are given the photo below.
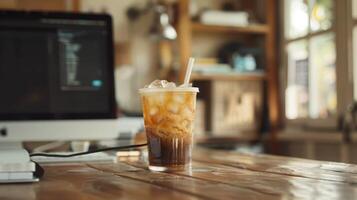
<point x="168" y="116"/>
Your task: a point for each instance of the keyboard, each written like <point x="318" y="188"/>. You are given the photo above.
<point x="94" y="157"/>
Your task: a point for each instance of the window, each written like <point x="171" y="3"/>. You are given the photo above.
<point x="310" y="48"/>
<point x="317" y="60"/>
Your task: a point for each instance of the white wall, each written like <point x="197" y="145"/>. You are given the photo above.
<point x="142" y="50"/>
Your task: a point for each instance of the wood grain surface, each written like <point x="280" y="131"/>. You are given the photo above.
<point x="214" y="175"/>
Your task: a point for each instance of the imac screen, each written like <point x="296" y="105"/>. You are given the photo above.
<point x="56" y="67"/>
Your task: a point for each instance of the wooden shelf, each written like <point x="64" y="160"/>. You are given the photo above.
<point x="254" y="29"/>
<point x="230" y="76"/>
<point x="188" y="30"/>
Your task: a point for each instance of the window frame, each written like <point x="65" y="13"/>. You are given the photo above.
<point x="351" y="25"/>
<point x="342" y="28"/>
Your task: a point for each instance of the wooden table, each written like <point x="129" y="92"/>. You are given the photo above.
<point x="215" y="175"/>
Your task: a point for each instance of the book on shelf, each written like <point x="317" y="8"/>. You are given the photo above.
<point x="257" y="72"/>
<point x="211" y="68"/>
<point x="225" y="18"/>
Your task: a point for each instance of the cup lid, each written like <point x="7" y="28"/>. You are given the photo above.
<point x="173" y="89"/>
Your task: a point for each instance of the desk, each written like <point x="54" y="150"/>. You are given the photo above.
<point x="215" y="175"/>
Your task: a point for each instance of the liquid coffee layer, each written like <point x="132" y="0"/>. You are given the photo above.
<point x="169" y="151"/>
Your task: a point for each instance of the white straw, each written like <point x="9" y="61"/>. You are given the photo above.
<point x="191" y="61"/>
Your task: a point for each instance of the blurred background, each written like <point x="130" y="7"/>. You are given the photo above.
<point x="275" y="76"/>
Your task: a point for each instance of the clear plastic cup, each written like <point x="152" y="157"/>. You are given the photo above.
<point x="168" y="116"/>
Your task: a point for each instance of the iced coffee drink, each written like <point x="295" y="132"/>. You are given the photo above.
<point x="168" y="115"/>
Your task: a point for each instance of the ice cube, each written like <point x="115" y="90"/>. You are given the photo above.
<point x="161" y="84"/>
<point x="186" y="125"/>
<point x="187" y="112"/>
<point x="172" y="107"/>
<point x="157" y="118"/>
<point x="160" y="98"/>
<point x="154" y="84"/>
<point x="169" y="85"/>
<point x="153" y="110"/>
<point x="179" y="98"/>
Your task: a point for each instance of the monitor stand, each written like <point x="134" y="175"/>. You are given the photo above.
<point x="15" y="164"/>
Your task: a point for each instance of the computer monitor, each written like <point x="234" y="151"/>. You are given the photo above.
<point x="56" y="77"/>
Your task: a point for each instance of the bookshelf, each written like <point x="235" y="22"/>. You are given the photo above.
<point x="230" y="76"/>
<point x="266" y="31"/>
<point x="251" y="29"/>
